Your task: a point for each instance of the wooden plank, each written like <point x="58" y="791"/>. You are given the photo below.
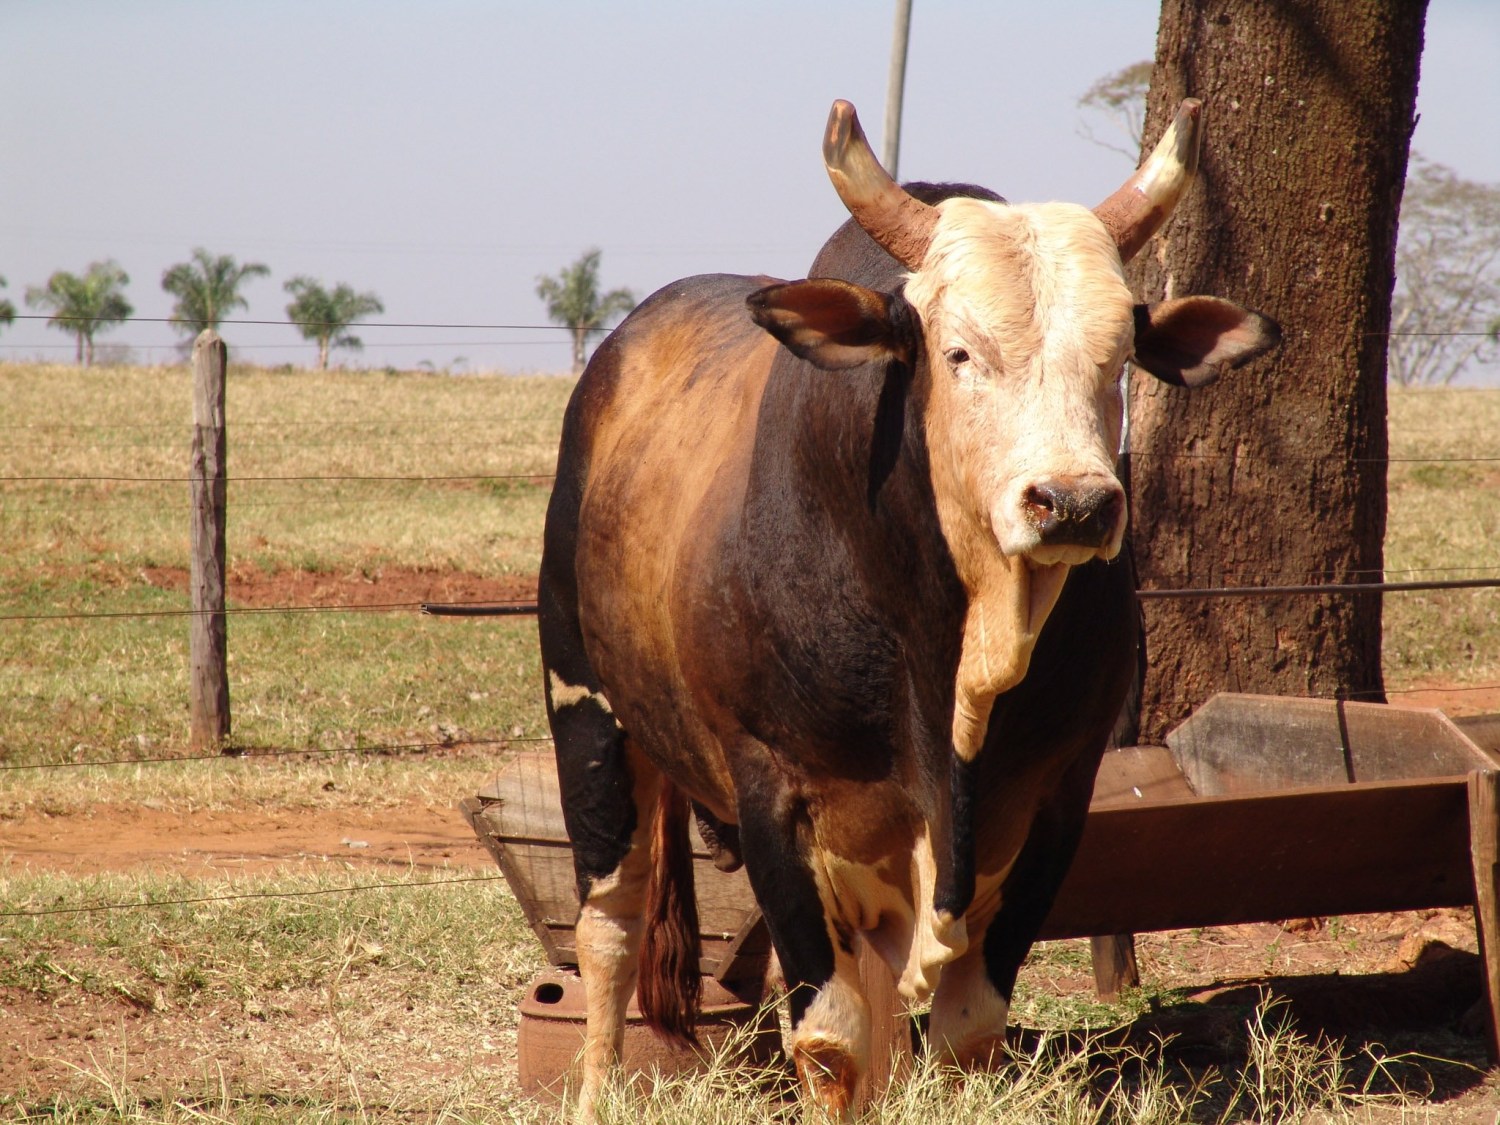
<point x="528" y="802"/>
<point x="475" y="811"/>
<point x="890" y="1027"/>
<point x="1249" y="743"/>
<point x="1484" y="844"/>
<point x="748" y="955"/>
<point x="1389" y="743"/>
<point x="518" y="816"/>
<point x="1482" y="730"/>
<point x="1218" y="861"/>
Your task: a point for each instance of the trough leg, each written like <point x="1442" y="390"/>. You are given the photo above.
<point x="1115" y="967"/>
<point x="1484" y="850"/>
<point x="890" y="1027"/>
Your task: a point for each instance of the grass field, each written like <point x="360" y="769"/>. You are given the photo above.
<point x="355" y="477"/>
<point x="415" y="991"/>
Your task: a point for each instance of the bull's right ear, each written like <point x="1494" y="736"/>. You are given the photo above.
<point x="830" y="323"/>
<point x="1191" y="341"/>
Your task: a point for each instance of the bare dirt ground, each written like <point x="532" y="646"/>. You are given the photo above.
<point x="122" y="837"/>
<point x="249" y="585"/>
<point x="1396" y="983"/>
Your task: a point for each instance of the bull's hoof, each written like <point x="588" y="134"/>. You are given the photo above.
<point x="829" y="1074"/>
<point x="984" y="1052"/>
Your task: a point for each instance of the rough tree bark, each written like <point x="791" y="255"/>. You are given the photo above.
<point x="1277" y="474"/>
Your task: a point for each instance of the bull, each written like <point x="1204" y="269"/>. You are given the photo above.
<point x="833" y="565"/>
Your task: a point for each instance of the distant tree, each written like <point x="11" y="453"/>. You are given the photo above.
<point x="1121" y="98"/>
<point x="207" y="290"/>
<point x="7" y="309"/>
<point x="1447" y="277"/>
<point x="573" y="300"/>
<point x="82" y="306"/>
<point x="324" y="315"/>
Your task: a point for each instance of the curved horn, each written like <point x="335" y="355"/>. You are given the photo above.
<point x="1144" y="202"/>
<point x="901" y="224"/>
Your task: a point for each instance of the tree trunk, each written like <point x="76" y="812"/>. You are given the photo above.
<point x="322" y="353"/>
<point x="1277" y="474"/>
<point x="580" y="345"/>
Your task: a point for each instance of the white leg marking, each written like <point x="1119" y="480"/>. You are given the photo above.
<point x="968" y="1016"/>
<point x="937" y="937"/>
<point x="563" y="694"/>
<point x="607" y="947"/>
<point x="831" y="1044"/>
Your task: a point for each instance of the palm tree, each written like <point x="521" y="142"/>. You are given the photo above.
<point x="7" y="309"/>
<point x="573" y="301"/>
<point x="83" y="305"/>
<point x="207" y="289"/>
<point x="325" y="316"/>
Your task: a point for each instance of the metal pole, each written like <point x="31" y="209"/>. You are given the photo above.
<point x="896" y="87"/>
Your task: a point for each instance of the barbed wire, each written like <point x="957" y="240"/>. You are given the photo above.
<point x="249" y="754"/>
<point x="246" y="896"/>
<point x="504" y="609"/>
<point x="489" y="607"/>
<point x="62" y="318"/>
<point x="241" y="896"/>
<point x="76" y="478"/>
<point x="463" y="326"/>
<point x="548" y="474"/>
<point x="246" y="753"/>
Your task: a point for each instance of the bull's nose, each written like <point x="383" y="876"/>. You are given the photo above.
<point x="1083" y="515"/>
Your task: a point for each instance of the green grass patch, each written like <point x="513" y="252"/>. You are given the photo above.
<point x="456" y="476"/>
<point x="196" y="942"/>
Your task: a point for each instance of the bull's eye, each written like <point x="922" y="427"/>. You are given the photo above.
<point x="956" y="357"/>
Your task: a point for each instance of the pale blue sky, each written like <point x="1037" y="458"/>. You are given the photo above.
<point x="443" y="153"/>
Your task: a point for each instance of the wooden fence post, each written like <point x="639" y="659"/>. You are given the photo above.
<point x="208" y="640"/>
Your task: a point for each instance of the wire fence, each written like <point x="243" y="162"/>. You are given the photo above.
<point x="376" y="432"/>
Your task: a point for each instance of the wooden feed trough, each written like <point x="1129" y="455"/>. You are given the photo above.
<point x="1259" y="808"/>
<point x="518" y="818"/>
<point x="1263" y="808"/>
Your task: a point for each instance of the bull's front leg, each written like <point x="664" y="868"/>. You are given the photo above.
<point x="830" y="1017"/>
<point x="971" y="1007"/>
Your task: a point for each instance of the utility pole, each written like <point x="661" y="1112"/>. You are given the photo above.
<point x="896" y="88"/>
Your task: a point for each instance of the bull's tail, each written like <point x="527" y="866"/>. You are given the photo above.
<point x="670" y="988"/>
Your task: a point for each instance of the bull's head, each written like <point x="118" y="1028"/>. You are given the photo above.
<point x="1023" y="325"/>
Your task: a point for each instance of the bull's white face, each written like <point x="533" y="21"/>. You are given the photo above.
<point x="1027" y="322"/>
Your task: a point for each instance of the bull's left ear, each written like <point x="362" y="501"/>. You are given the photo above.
<point x="1191" y="341"/>
<point x="833" y="324"/>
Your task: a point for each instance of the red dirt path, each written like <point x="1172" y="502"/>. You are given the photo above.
<point x="119" y="837"/>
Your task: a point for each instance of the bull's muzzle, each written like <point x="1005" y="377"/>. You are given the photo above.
<point x="1075" y="515"/>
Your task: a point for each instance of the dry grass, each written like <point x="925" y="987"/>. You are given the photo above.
<point x="280" y="1000"/>
<point x="1444" y="522"/>
<point x="495" y="439"/>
